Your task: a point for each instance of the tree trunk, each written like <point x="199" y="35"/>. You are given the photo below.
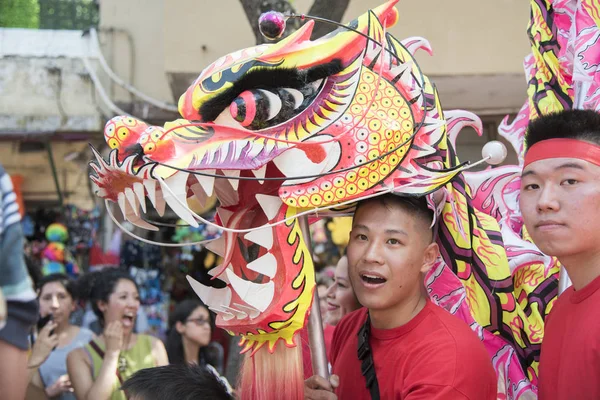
<point x="330" y="9"/>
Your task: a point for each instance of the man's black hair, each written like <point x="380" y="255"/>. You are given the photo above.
<point x="416" y="205"/>
<point x="568" y="124"/>
<point x="175" y="382"/>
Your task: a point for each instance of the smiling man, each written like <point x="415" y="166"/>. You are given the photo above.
<point x="419" y="351"/>
<point x="560" y="203"/>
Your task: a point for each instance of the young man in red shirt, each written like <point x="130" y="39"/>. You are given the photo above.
<point x="560" y="204"/>
<point x="419" y="351"/>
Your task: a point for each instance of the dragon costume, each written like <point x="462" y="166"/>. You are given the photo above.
<point x="302" y="127"/>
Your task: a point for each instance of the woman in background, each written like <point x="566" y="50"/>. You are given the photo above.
<point x="98" y="370"/>
<point x="48" y="360"/>
<point x="189" y="338"/>
<point x="341" y="299"/>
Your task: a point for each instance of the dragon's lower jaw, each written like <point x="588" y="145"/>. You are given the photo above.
<point x="263" y="290"/>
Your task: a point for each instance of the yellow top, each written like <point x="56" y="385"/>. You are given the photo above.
<point x="136" y="358"/>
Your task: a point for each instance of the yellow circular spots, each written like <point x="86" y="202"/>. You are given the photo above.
<point x="351" y="177"/>
<point x="156" y="135"/>
<point x="374" y="138"/>
<point x="328" y="196"/>
<point x="351" y="189"/>
<point x="390" y="92"/>
<point x="316" y="200"/>
<point x="398" y="101"/>
<point x="392" y="113"/>
<point x="391" y="147"/>
<point x="149" y="148"/>
<point x="303" y="201"/>
<point x="373" y="154"/>
<point x="363" y="172"/>
<point x="364" y="87"/>
<point x="356" y="109"/>
<point x="363" y="184"/>
<point x="361" y="99"/>
<point x="393" y="159"/>
<point x="374" y="177"/>
<point x="385" y="169"/>
<point x="340" y="193"/>
<point x="407" y="125"/>
<point x="382" y="146"/>
<point x="374" y="165"/>
<point x="397" y="137"/>
<point x="291" y="202"/>
<point x="389" y="133"/>
<point x="381" y="114"/>
<point x="386" y="102"/>
<point x="122" y="132"/>
<point x="404" y="112"/>
<point x="368" y="77"/>
<point x="130" y="122"/>
<point x="375" y="125"/>
<point x="113" y="143"/>
<point x="338" y="182"/>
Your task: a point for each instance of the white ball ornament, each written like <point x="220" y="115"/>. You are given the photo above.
<point x="495" y="152"/>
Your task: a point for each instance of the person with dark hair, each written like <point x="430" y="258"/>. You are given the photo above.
<point x="98" y="370"/>
<point x="407" y="347"/>
<point x="48" y="360"/>
<point x="18" y="307"/>
<point x="189" y="336"/>
<point x="560" y="204"/>
<point x="176" y="382"/>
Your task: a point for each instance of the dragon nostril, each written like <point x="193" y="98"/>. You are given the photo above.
<point x="134" y="149"/>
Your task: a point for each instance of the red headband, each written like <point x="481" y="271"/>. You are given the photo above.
<point x="563" y="148"/>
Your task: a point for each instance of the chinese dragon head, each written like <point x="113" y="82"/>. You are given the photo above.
<point x="309" y="127"/>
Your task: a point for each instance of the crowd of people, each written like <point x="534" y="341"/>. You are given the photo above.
<point x="384" y="337"/>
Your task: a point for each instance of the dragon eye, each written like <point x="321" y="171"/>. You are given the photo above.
<point x="261" y="108"/>
<point x="257" y="109"/>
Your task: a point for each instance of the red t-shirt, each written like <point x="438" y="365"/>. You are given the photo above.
<point x="570" y="357"/>
<point x="435" y="356"/>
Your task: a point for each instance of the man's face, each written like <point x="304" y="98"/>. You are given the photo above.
<point x="388" y="250"/>
<point x="560" y="203"/>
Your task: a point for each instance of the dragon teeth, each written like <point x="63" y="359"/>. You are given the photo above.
<point x="262" y="237"/>
<point x="238" y="313"/>
<point x="269" y="204"/>
<point x="252" y="312"/>
<point x="233" y="173"/>
<point x="131" y="216"/>
<point x="138" y="189"/>
<point x="226" y="315"/>
<point x="130" y="196"/>
<point x="207" y="182"/>
<point x="211" y="296"/>
<point x="260" y="173"/>
<point x="217" y="246"/>
<point x="175" y="194"/>
<point x="258" y="295"/>
<point x="266" y="265"/>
